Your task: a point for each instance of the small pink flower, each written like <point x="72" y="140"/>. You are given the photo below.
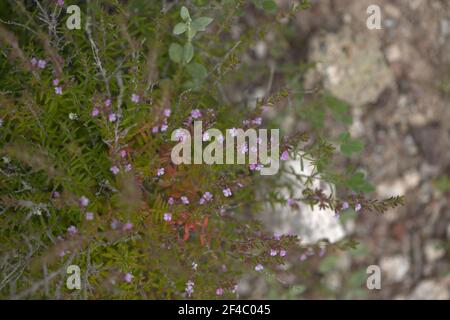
<point x="112" y="117"/>
<point x="167" y="112"/>
<point x="60" y="3"/>
<point x="41" y="64"/>
<point x="167" y="217"/>
<point x="135" y="98"/>
<point x="171" y="201"/>
<point x="114" y="169"/>
<point x="273" y="252"/>
<point x="255" y="166"/>
<point x="284" y="155"/>
<point x="89" y="216"/>
<point x="55" y="194"/>
<point x="303" y="257"/>
<point x="291" y="202"/>
<point x="206" y="136"/>
<point x="233" y="132"/>
<point x="128" y="277"/>
<point x="107" y="102"/>
<point x="227" y="192"/>
<point x="259" y="267"/>
<point x="282" y="253"/>
<point x="114" y="224"/>
<point x="123" y="153"/>
<point x="207" y="196"/>
<point x="128" y="167"/>
<point x="358" y="207"/>
<point x="277" y="236"/>
<point x="257" y="121"/>
<point x="95" y="112"/>
<point x="196" y="113"/>
<point x="164" y="128"/>
<point x="55" y="82"/>
<point x="246" y="122"/>
<point x="180" y="135"/>
<point x="219" y="291"/>
<point x="160" y="172"/>
<point x="244" y="148"/>
<point x="58" y="90"/>
<point x="127" y="226"/>
<point x="189" y="288"/>
<point x="84" y="201"/>
<point x="185" y="200"/>
<point x="155" y="130"/>
<point x="345" y="205"/>
<point x="72" y="230"/>
<point x="33" y="62"/>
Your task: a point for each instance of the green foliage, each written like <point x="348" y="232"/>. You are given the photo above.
<point x="131" y="62"/>
<point x="348" y="145"/>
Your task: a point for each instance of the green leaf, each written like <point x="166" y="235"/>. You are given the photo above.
<point x="184" y="13"/>
<point x="191" y="33"/>
<point x="350" y="146"/>
<point x="339" y="109"/>
<point x="201" y="23"/>
<point x="197" y="71"/>
<point x="269" y="5"/>
<point x="176" y="52"/>
<point x="188" y="52"/>
<point x="179" y="28"/>
<point x="358" y="183"/>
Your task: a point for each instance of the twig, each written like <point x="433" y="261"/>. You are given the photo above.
<point x="98" y="62"/>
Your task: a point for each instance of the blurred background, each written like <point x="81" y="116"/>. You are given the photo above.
<point x="397" y="83"/>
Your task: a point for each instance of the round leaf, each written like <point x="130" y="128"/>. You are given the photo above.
<point x="184" y="13"/>
<point x="188" y="52"/>
<point x="179" y="28"/>
<point x="175" y="52"/>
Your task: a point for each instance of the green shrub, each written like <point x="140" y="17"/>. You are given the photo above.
<point x="85" y="136"/>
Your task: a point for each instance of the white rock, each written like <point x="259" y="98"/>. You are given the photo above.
<point x="434" y="251"/>
<point x="311" y="225"/>
<point x="395" y="267"/>
<point x="430" y="290"/>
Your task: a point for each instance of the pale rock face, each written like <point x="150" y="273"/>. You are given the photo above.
<point x="351" y="66"/>
<point x="311" y="225"/>
<point x="395" y="267"/>
<point x="430" y="290"/>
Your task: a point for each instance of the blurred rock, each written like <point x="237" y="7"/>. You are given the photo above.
<point x="434" y="251"/>
<point x="430" y="290"/>
<point x="351" y="65"/>
<point x="395" y="267"/>
<point x="311" y="225"/>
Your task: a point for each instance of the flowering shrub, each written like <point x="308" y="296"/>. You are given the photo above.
<point x="87" y="178"/>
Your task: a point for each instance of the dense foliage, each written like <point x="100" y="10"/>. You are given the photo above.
<point x="86" y="175"/>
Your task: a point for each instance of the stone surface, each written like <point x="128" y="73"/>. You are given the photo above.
<point x="395" y="267"/>
<point x="352" y="66"/>
<point x="430" y="290"/>
<point x="311" y="225"/>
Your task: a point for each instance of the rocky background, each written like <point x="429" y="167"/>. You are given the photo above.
<point x="397" y="81"/>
